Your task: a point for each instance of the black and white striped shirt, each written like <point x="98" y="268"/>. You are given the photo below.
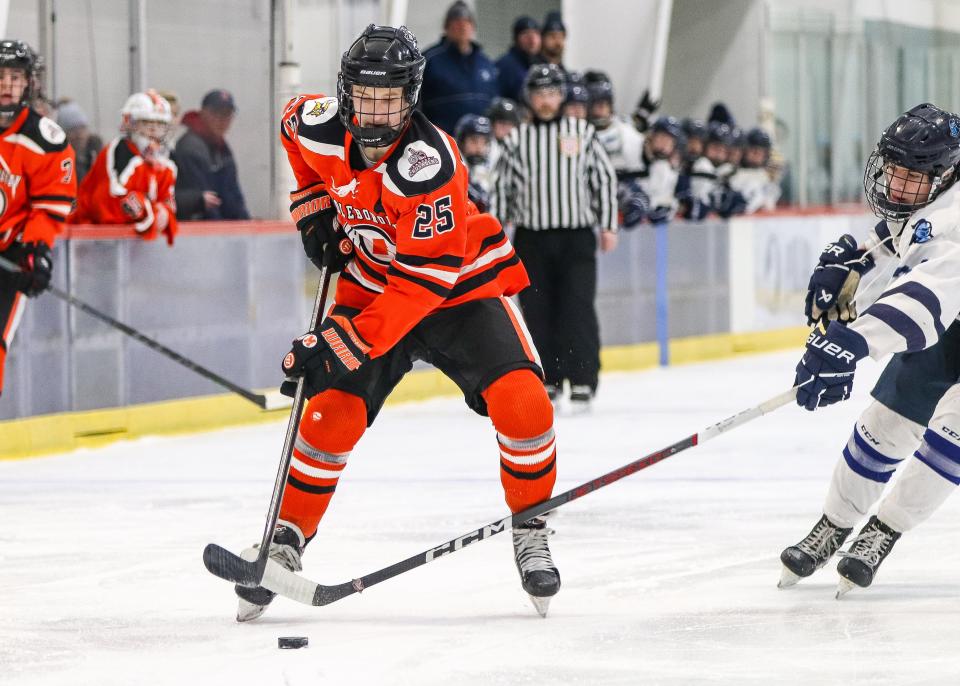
<point x="555" y="175"/>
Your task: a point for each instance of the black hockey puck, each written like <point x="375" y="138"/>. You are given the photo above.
<point x="292" y="642"/>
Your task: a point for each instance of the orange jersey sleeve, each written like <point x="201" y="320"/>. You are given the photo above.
<point x="306" y="176"/>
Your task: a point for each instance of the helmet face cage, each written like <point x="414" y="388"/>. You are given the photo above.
<point x="380" y="60"/>
<point x="894" y="191"/>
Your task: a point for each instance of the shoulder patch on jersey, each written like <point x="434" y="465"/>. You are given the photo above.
<point x="316" y="120"/>
<point x="419" y="162"/>
<point x="44" y="132"/>
<point x="922" y="232"/>
<point x="423" y="160"/>
<point x="50" y="130"/>
<point x="318" y="111"/>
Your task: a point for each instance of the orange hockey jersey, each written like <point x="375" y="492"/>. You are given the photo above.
<point x="124" y="187"/>
<point x="415" y="249"/>
<point x="38" y="183"/>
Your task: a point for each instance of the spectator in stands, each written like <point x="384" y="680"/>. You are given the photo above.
<point x="513" y="66"/>
<point x="720" y="114"/>
<point x="86" y="144"/>
<point x="553" y="39"/>
<point x="207" y="183"/>
<point x="459" y="78"/>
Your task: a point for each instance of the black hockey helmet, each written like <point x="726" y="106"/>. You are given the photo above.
<point x="544" y="76"/>
<point x="504" y="109"/>
<point x="599" y="86"/>
<point x="385" y="57"/>
<point x="16" y="54"/>
<point x="925" y="139"/>
<point x="757" y="138"/>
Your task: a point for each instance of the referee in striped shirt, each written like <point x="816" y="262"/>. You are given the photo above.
<point x="555" y="183"/>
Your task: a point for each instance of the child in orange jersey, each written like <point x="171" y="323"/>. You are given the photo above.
<point x="133" y="179"/>
<point x="429" y="280"/>
<point x="38" y="188"/>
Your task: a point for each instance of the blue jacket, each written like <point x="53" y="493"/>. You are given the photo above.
<point x="455" y="84"/>
<point x="513" y="68"/>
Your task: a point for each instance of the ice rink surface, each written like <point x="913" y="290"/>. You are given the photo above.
<point x="669" y="576"/>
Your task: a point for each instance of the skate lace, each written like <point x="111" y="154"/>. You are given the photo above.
<point x="819" y="542"/>
<point x="285" y="555"/>
<point x="868" y="547"/>
<point x="531" y="549"/>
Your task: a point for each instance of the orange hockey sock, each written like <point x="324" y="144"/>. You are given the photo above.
<point x="330" y="427"/>
<point x="523" y="417"/>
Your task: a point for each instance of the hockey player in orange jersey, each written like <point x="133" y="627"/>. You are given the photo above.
<point x="429" y="280"/>
<point x="38" y="188"/>
<point x="133" y="178"/>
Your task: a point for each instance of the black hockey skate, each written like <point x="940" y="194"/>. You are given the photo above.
<point x="581" y="399"/>
<point x="538" y="575"/>
<point x="812" y="553"/>
<point x="860" y="563"/>
<point x="286" y="549"/>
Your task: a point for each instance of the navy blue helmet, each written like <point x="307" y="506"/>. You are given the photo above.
<point x="925" y="139"/>
<point x="504" y="109"/>
<point x="544" y="76"/>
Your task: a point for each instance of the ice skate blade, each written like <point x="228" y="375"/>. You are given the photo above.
<point x="580" y="408"/>
<point x="844" y="587"/>
<point x="541" y="604"/>
<point x="247" y="612"/>
<point x="787" y="578"/>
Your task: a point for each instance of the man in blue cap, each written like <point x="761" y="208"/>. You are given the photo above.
<point x="523" y="54"/>
<point x="459" y="78"/>
<point x="207" y="183"/>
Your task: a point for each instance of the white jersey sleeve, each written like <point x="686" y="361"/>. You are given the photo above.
<point x="922" y="297"/>
<point x="756" y="188"/>
<point x="624" y="146"/>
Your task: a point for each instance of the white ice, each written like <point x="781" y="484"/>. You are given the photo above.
<point x="669" y="576"/>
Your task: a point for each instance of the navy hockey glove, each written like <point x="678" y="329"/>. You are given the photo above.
<point x="834" y="281"/>
<point x="36" y="267"/>
<point x="633" y="202"/>
<point x="825" y="373"/>
<point x="728" y="202"/>
<point x="316" y="219"/>
<point x="323" y="356"/>
<point x="658" y="215"/>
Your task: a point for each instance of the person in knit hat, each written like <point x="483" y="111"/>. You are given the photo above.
<point x="86" y="144"/>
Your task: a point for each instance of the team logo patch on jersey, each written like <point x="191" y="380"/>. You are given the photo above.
<point x="419" y="162"/>
<point x="51" y="131"/>
<point x="346" y="188"/>
<point x="954" y="128"/>
<point x="922" y="232"/>
<point x="569" y="145"/>
<point x="318" y="111"/>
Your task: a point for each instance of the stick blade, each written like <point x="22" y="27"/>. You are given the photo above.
<point x="275" y="400"/>
<point x="224" y="564"/>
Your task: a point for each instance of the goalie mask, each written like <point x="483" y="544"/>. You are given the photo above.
<point x="145" y="118"/>
<point x="379" y="84"/>
<point x="914" y="162"/>
<point x="15" y="54"/>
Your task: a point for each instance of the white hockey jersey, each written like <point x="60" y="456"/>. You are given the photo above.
<point x="757" y="189"/>
<point x="624" y="146"/>
<point x="921" y="297"/>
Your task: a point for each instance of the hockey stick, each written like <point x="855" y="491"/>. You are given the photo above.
<point x="280" y="580"/>
<point x="262" y="401"/>
<point x="219" y="560"/>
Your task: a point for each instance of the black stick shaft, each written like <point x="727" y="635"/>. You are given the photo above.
<point x="256" y="398"/>
<point x="273" y="512"/>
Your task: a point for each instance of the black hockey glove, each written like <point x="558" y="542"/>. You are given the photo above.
<point x="323" y="356"/>
<point x="316" y="219"/>
<point x="660" y="214"/>
<point x="825" y="372"/>
<point x="834" y="282"/>
<point x="645" y="109"/>
<point x="36" y="267"/>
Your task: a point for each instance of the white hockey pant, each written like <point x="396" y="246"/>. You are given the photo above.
<point x="881" y="440"/>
